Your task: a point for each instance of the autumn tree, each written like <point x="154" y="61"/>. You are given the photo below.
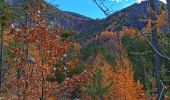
<point x="108" y="80"/>
<point x="124" y="84"/>
<point x="115" y="81"/>
<point x="160" y="20"/>
<point x="107" y="35"/>
<point x="38" y="52"/>
<point x="26" y="78"/>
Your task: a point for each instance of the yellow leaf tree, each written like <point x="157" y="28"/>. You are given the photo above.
<point x="124" y="86"/>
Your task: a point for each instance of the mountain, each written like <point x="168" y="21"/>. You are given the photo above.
<point x="88" y="27"/>
<point x="55" y="17"/>
<point x="131" y="15"/>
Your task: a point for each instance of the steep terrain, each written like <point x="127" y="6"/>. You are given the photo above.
<point x="64" y="19"/>
<point x="55" y="17"/>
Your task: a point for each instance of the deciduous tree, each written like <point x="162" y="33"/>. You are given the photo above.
<point x="27" y="76"/>
<point x="124" y="85"/>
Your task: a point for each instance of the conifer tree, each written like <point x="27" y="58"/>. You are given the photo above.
<point x="124" y="86"/>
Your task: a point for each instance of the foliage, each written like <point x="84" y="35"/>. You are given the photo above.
<point x="124" y="85"/>
<point x="46" y="63"/>
<point x="108" y="80"/>
<point x="69" y="35"/>
<point x="6" y="14"/>
<point x="41" y="56"/>
<point x="140" y="54"/>
<point x="35" y="56"/>
<point x="97" y="89"/>
<point x="115" y="81"/>
<point x="89" y="51"/>
<point x="93" y="49"/>
<point x="160" y="22"/>
<point x="164" y="44"/>
<point x="107" y="35"/>
<point x="107" y="55"/>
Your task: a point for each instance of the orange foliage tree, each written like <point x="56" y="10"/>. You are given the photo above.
<point x="121" y="78"/>
<point x="37" y="50"/>
<point x="161" y="20"/>
<point x="107" y="35"/>
<point x="113" y="35"/>
<point x="108" y="80"/>
<point x="124" y="84"/>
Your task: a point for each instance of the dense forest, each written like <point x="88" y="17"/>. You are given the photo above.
<point x="50" y="54"/>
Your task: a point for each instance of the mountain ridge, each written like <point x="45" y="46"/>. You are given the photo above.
<point x="88" y="26"/>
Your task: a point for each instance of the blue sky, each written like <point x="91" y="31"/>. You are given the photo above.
<point x="88" y="8"/>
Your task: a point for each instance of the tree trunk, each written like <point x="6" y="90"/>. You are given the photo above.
<point x="2" y="48"/>
<point x="156" y="57"/>
<point x="1" y="54"/>
<point x="168" y="7"/>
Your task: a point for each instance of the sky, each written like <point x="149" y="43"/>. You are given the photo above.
<point x="89" y="9"/>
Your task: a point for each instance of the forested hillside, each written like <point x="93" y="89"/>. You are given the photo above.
<point x="50" y="54"/>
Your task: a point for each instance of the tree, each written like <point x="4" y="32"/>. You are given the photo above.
<point x="107" y="35"/>
<point x="117" y="81"/>
<point x="108" y="80"/>
<point x="27" y="75"/>
<point x="31" y="74"/>
<point x="124" y="85"/>
<point x="161" y="20"/>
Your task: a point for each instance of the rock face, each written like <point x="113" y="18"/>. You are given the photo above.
<point x="55" y="17"/>
<point x="65" y="20"/>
